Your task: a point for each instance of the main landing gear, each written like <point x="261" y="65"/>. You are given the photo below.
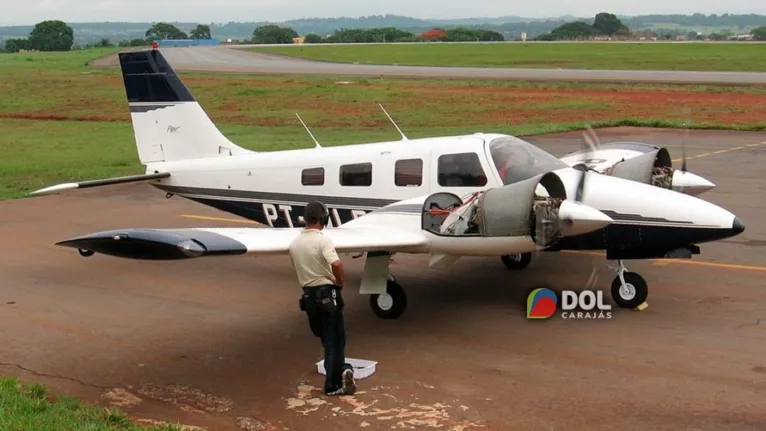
<point x="516" y="261"/>
<point x="629" y="290"/>
<point x="389" y="305"/>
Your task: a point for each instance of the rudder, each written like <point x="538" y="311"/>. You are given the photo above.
<point x="168" y="122"/>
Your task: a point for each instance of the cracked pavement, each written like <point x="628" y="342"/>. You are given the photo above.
<point x="220" y="344"/>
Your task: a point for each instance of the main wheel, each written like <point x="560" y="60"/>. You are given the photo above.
<point x="517" y="261"/>
<point x="634" y="292"/>
<point x="389" y="305"/>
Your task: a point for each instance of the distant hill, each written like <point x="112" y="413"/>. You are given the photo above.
<point x="510" y="26"/>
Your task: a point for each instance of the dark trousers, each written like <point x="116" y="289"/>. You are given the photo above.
<point x="326" y="322"/>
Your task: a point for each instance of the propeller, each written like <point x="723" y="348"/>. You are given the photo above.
<point x="543" y="226"/>
<point x="687" y="123"/>
<point x="590" y="145"/>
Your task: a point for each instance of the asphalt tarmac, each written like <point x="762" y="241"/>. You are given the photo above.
<point x="219" y="343"/>
<point x="236" y="59"/>
<point x="224" y="58"/>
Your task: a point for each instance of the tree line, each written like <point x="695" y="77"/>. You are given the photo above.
<point x="55" y="35"/>
<point x="274" y="34"/>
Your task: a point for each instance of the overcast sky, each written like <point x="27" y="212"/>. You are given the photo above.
<point x="206" y="11"/>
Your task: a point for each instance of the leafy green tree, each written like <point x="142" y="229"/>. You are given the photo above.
<point x="164" y="31"/>
<point x="468" y="34"/>
<point x="312" y="38"/>
<point x="569" y="31"/>
<point x="607" y="24"/>
<point x="51" y="35"/>
<point x="201" y="32"/>
<point x="104" y="43"/>
<point x="16" y="45"/>
<point x="273" y="34"/>
<point x="759" y="33"/>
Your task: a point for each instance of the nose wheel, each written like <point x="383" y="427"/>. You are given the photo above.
<point x="629" y="290"/>
<point x="516" y="261"/>
<point x="389" y="305"/>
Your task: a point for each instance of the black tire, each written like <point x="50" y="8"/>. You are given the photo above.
<point x="516" y="261"/>
<point x="391" y="305"/>
<point x="634" y="295"/>
<point x="85" y="252"/>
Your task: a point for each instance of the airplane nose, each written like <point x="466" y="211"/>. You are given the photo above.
<point x="737" y="226"/>
<point x="690" y="184"/>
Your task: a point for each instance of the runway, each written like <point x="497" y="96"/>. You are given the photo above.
<point x="219" y="343"/>
<point x="231" y="59"/>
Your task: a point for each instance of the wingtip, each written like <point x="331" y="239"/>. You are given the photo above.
<point x="54" y="189"/>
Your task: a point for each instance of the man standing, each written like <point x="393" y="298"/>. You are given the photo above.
<point x="320" y="273"/>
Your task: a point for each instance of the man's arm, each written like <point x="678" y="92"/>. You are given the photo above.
<point x="329" y="253"/>
<point x="337" y="270"/>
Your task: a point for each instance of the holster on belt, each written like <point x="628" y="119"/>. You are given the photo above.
<point x="327" y="297"/>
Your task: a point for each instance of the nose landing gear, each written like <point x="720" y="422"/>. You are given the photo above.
<point x="629" y="290"/>
<point x="516" y="261"/>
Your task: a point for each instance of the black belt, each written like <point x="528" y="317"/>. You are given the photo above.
<point x="320" y="291"/>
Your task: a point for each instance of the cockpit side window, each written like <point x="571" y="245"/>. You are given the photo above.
<point x="460" y="170"/>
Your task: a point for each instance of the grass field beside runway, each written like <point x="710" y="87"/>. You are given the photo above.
<point x="63" y="121"/>
<point x="30" y="407"/>
<point x="740" y="57"/>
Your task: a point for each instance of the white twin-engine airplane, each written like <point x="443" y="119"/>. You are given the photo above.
<point x="473" y="195"/>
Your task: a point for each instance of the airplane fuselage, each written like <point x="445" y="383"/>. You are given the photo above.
<point x="273" y="189"/>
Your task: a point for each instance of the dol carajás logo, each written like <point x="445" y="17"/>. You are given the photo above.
<point x="541" y="303"/>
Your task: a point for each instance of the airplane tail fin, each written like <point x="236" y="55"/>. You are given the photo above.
<point x="168" y="122"/>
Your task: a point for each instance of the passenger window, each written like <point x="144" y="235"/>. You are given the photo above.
<point x="312" y="177"/>
<point x="408" y="172"/>
<point x="461" y="170"/>
<point x="359" y="174"/>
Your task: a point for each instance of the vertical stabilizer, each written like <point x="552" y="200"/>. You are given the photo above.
<point x="168" y="123"/>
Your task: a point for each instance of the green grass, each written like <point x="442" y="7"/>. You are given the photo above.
<point x="643" y="56"/>
<point x="28" y="407"/>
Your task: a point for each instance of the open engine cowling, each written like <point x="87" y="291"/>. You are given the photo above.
<point x="511" y="210"/>
<point x="653" y="167"/>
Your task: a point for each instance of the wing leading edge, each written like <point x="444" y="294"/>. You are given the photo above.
<point x="170" y="244"/>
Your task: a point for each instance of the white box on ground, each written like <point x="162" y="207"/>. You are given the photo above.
<point x="362" y="367"/>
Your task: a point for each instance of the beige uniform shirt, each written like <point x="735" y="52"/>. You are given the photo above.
<point x="312" y="253"/>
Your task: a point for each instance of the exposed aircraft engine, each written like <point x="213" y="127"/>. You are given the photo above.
<point x="653" y="167"/>
<point x="511" y="210"/>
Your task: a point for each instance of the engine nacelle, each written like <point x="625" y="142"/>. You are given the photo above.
<point x="512" y="210"/>
<point x="635" y="161"/>
<point x="653" y="167"/>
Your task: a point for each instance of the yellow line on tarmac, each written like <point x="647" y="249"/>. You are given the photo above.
<point x="721" y="151"/>
<point x="226" y="219"/>
<point x="663" y="262"/>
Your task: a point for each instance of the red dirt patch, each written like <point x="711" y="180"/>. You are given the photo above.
<point x="54" y="117"/>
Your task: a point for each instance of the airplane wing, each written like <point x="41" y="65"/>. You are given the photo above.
<point x="372" y="232"/>
<point x="166" y="244"/>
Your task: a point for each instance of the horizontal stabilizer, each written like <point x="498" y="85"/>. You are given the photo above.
<point x="169" y="244"/>
<point x="97" y="183"/>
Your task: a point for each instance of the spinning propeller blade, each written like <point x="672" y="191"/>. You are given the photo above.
<point x="590" y="143"/>
<point x="688" y="121"/>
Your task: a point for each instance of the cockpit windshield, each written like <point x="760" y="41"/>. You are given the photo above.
<point x="517" y="160"/>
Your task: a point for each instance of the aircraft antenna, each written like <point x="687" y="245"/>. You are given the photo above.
<point x="308" y="130"/>
<point x="404" y="138"/>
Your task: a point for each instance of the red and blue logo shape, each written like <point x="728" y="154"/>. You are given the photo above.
<point x="541" y="303"/>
